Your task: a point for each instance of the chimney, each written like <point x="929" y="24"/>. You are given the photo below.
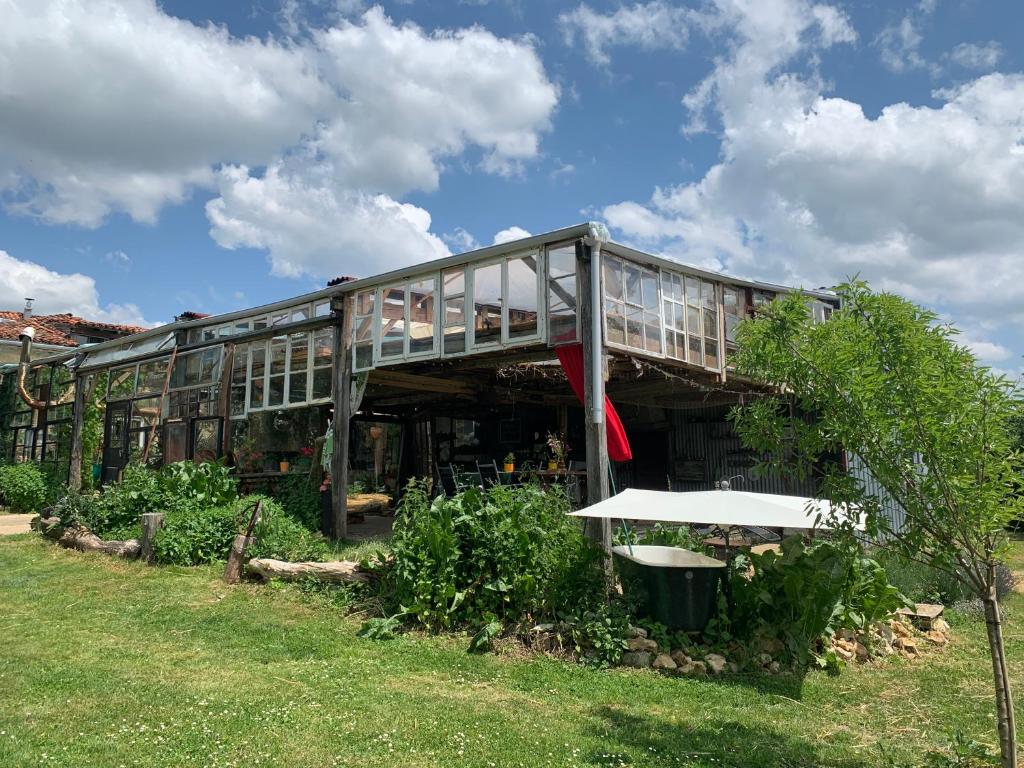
<point x="26" y="313"/>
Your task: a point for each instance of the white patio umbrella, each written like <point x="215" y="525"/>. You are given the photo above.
<point x="721" y="508"/>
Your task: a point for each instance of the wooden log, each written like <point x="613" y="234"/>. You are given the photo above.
<point x="335" y="572"/>
<point x="50" y="527"/>
<point x="151" y="523"/>
<point x="368" y="503"/>
<point x="85" y="541"/>
<point x="233" y="570"/>
<point x="236" y="557"/>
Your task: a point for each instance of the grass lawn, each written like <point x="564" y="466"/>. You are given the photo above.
<point x="106" y="663"/>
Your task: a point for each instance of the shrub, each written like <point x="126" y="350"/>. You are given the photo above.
<point x="299" y="496"/>
<point x="207" y="484"/>
<point x="924" y="583"/>
<point x="193" y="536"/>
<point x="280" y="536"/>
<point x="22" y="487"/>
<point x="503" y="555"/>
<point x="664" y="535"/>
<point x="807" y="593"/>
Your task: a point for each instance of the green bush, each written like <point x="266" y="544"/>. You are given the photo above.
<point x="923" y="583"/>
<point x="180" y="487"/>
<point x="504" y="555"/>
<point x="194" y="536"/>
<point x="23" y="487"/>
<point x="299" y="496"/>
<point x="807" y="593"/>
<point x="664" y="535"/>
<point x="280" y="536"/>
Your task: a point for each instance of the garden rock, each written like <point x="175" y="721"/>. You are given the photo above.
<point x="637" y="659"/>
<point x="715" y="663"/>
<point x="940" y="625"/>
<point x="698" y="668"/>
<point x="642" y="644"/>
<point x="936" y="637"/>
<point x="664" y="662"/>
<point x="681" y="659"/>
<point x="860" y="651"/>
<point x="637" y="632"/>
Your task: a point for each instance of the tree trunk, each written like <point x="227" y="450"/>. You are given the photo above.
<point x="1004" y="700"/>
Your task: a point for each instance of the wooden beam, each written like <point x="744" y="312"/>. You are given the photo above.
<point x="422" y="383"/>
<point x="342" y="391"/>
<point x="599" y="530"/>
<point x="85" y="387"/>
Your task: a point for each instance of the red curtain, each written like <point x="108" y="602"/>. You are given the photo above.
<point x="571" y="358"/>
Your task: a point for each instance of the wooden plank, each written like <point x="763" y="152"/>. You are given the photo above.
<point x="422" y="383"/>
<point x="83" y="396"/>
<point x="342" y="391"/>
<point x="599" y="529"/>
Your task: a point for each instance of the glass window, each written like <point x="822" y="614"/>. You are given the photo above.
<point x="256" y="380"/>
<point x="152" y="375"/>
<point x="298" y="367"/>
<point x="322" y="308"/>
<point x="487" y="304"/>
<point x="422" y="297"/>
<point x="122" y="383"/>
<point x="562" y="294"/>
<point x="362" y="330"/>
<point x="632" y="306"/>
<point x="521" y="299"/>
<point x="392" y="321"/>
<point x="323" y="341"/>
<point x="454" y="320"/>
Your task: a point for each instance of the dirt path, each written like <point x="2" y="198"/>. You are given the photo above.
<point x="12" y="524"/>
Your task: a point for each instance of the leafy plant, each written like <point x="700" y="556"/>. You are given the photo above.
<point x="502" y="555"/>
<point x="300" y="497"/>
<point x="599" y="632"/>
<point x="23" y="487"/>
<point x="664" y="535"/>
<point x="381" y="628"/>
<point x="195" y="536"/>
<point x="205" y="484"/>
<point x="280" y="536"/>
<point x="807" y="593"/>
<point x="887" y="383"/>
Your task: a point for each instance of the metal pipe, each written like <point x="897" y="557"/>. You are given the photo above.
<point x="597" y="237"/>
<point x="26" y="336"/>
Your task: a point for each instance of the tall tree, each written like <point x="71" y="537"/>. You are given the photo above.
<point x="886" y="382"/>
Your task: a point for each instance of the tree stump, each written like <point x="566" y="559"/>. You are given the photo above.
<point x="151" y="523"/>
<point x="336" y="572"/>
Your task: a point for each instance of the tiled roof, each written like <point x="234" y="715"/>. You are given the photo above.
<point x="56" y="329"/>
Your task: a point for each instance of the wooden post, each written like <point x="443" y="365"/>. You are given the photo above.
<point x="224" y="406"/>
<point x="236" y="557"/>
<point x="342" y="362"/>
<point x="151" y="523"/>
<point x="85" y="387"/>
<point x="599" y="530"/>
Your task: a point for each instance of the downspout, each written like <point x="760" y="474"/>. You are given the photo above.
<point x="597" y="237"/>
<point x="26" y="336"/>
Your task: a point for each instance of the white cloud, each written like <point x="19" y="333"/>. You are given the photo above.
<point x="921" y="200"/>
<point x="461" y="241"/>
<point x="899" y="43"/>
<point x="118" y="107"/>
<point x="55" y="292"/>
<point x="510" y="234"/>
<point x="318" y="228"/>
<point x="649" y="25"/>
<point x="980" y="56"/>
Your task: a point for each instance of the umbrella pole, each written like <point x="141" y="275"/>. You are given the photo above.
<point x="629" y="542"/>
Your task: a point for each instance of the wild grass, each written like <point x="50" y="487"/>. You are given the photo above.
<point x="106" y="663"/>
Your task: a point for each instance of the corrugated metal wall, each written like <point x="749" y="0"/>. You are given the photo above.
<point x="704" y="442"/>
<point x="703" y="448"/>
<point x="896" y="514"/>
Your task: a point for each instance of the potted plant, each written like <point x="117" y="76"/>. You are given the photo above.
<point x="559" y="450"/>
<point x="510" y="462"/>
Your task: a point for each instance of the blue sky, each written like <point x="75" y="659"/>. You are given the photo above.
<point x="159" y="158"/>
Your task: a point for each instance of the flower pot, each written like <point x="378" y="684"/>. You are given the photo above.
<point x="509" y="467"/>
<point x="283" y="466"/>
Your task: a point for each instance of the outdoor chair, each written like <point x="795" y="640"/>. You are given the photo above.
<point x="488" y="473"/>
<point x="449" y="480"/>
